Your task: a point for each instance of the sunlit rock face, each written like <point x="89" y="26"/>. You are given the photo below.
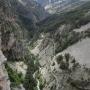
<point x="31" y="10"/>
<point x="20" y="87"/>
<point x="4" y="80"/>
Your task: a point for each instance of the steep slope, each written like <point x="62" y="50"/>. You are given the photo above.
<point x="29" y="9"/>
<point x="10" y="33"/>
<point x="63" y="49"/>
<point x="14" y="44"/>
<point x="49" y="68"/>
<point x="79" y="16"/>
<point x="55" y="6"/>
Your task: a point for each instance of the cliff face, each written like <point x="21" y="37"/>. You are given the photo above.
<point x="59" y="52"/>
<point x="18" y="19"/>
<point x="11" y="36"/>
<point x="17" y="23"/>
<point x="63" y="49"/>
<point x="4" y="79"/>
<point x="7" y="40"/>
<point x="56" y="6"/>
<point x="29" y="9"/>
<point x="67" y="69"/>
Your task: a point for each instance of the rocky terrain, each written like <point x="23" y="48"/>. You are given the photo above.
<point x="55" y="6"/>
<point x="63" y="49"/>
<point x="71" y="64"/>
<point x="39" y="51"/>
<point x="14" y="41"/>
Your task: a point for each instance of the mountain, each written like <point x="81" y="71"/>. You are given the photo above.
<point x="41" y="52"/>
<point x="17" y="27"/>
<point x="63" y="50"/>
<point x="54" y="6"/>
<point x="29" y="13"/>
<point x="29" y="9"/>
<point x="33" y="9"/>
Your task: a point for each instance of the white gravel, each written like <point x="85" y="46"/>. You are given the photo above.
<point x="81" y="51"/>
<point x="35" y="51"/>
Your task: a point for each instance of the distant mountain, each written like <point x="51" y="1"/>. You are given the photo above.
<point x="29" y="12"/>
<point x="29" y="9"/>
<point x="53" y="6"/>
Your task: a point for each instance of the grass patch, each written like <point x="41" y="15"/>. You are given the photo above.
<point x="15" y="78"/>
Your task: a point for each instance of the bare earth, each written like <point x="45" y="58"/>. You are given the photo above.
<point x="81" y="51"/>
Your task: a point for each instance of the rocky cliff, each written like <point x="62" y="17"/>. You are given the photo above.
<point x="14" y="39"/>
<point x="57" y="6"/>
<point x="63" y="49"/>
<point x="58" y="59"/>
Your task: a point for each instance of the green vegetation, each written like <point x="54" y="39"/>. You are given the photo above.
<point x="71" y="20"/>
<point x="30" y="82"/>
<point x="65" y="60"/>
<point x="41" y="80"/>
<point x="15" y="78"/>
<point x="68" y="38"/>
<point x="29" y="25"/>
<point x="65" y="39"/>
<point x="67" y="57"/>
<point x="64" y="64"/>
<point x="59" y="59"/>
<point x="75" y="17"/>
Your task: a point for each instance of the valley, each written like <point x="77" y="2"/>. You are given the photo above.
<point x="43" y="51"/>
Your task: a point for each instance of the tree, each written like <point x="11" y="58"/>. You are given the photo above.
<point x="59" y="59"/>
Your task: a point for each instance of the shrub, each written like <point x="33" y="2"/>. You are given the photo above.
<point x="30" y="82"/>
<point x="67" y="57"/>
<point x="15" y="78"/>
<point x="59" y="59"/>
<point x="64" y="65"/>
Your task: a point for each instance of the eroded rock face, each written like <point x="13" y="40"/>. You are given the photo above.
<point x="4" y="80"/>
<point x="20" y="87"/>
<point x="67" y="73"/>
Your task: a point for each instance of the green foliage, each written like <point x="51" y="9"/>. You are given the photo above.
<point x="74" y="17"/>
<point x="30" y="82"/>
<point x="63" y="61"/>
<point x="15" y="78"/>
<point x="41" y="80"/>
<point x="59" y="59"/>
<point x="33" y="65"/>
<point x="65" y="39"/>
<point x="64" y="65"/>
<point x="29" y="24"/>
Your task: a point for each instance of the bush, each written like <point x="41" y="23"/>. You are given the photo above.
<point x="75" y="17"/>
<point x="65" y="39"/>
<point x="59" y="59"/>
<point x="15" y="78"/>
<point x="64" y="65"/>
<point x="67" y="57"/>
<point x="30" y="82"/>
